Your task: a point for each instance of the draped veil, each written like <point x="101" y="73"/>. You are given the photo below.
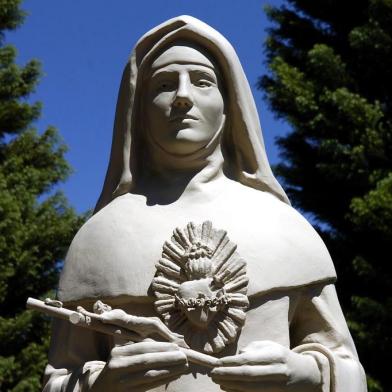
<point x="245" y="158"/>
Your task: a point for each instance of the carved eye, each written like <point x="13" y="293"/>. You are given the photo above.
<point x="203" y="83"/>
<point x="165" y="86"/>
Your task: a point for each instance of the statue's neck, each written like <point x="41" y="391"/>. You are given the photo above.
<point x="169" y="178"/>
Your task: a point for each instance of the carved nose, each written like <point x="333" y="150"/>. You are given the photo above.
<point x="183" y="98"/>
<point x="182" y="102"/>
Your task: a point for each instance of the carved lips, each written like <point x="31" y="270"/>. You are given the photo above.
<point x="183" y="117"/>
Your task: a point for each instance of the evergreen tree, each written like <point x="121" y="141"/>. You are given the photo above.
<point x="36" y="224"/>
<point x="330" y="78"/>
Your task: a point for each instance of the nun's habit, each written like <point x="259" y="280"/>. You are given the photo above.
<point x="291" y="276"/>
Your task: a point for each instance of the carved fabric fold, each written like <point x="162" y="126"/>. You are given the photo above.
<point x="242" y="142"/>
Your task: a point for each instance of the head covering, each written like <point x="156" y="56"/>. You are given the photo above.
<point x="242" y="143"/>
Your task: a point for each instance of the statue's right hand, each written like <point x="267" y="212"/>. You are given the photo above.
<point x="143" y="326"/>
<point x="140" y="367"/>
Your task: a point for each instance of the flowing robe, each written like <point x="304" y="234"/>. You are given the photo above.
<point x="291" y="283"/>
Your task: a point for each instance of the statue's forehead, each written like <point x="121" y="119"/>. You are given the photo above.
<point x="182" y="54"/>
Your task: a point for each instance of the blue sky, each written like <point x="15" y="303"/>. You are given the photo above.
<point x="83" y="47"/>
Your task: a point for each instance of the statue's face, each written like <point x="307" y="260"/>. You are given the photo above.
<point x="184" y="104"/>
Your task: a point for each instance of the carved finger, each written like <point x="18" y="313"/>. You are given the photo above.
<point x="146" y="326"/>
<point x="158" y="327"/>
<point x="149" y="326"/>
<point x="262" y="357"/>
<point x="253" y="386"/>
<point x="153" y="385"/>
<point x="152" y="376"/>
<point x="251" y="373"/>
<point x="139" y="362"/>
<point x="143" y="348"/>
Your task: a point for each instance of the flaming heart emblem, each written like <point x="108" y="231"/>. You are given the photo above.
<point x="200" y="287"/>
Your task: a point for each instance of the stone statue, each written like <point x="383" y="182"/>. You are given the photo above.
<point x="193" y="231"/>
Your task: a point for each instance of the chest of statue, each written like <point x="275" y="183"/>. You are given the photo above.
<point x="143" y="233"/>
<point x="201" y="269"/>
<point x="117" y="252"/>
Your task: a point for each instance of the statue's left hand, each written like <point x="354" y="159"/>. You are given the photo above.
<point x="267" y="366"/>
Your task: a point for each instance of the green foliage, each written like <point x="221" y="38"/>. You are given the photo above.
<point x="36" y="224"/>
<point x="330" y="78"/>
<point x="11" y="16"/>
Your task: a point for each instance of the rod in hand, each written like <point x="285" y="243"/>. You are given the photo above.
<point x="132" y="328"/>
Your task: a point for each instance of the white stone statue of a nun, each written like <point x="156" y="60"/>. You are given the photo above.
<point x="192" y="229"/>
